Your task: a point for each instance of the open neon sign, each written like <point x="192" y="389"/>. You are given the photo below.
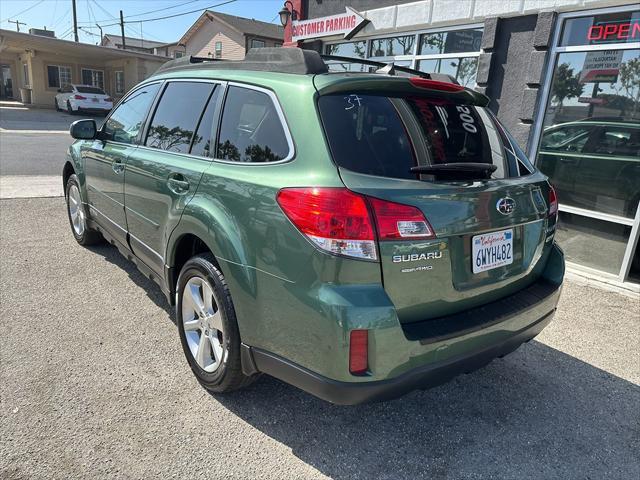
<point x="614" y="32"/>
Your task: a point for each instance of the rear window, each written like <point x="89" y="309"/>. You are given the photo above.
<point x="90" y="90"/>
<point x="385" y="136"/>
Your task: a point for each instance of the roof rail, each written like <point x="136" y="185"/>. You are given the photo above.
<point x="268" y="59"/>
<point x="194" y="59"/>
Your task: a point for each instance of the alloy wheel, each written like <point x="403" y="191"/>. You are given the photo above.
<point x="202" y="321"/>
<point x="76" y="211"/>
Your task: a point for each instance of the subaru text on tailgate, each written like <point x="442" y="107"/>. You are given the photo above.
<point x="358" y="235"/>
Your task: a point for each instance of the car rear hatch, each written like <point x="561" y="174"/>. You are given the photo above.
<point x="434" y="146"/>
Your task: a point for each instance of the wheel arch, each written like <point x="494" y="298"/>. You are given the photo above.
<point x="67" y="171"/>
<point x="206" y="225"/>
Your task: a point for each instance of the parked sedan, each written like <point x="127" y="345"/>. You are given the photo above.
<point x="83" y="98"/>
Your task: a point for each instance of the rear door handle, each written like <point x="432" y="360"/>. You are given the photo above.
<point x="117" y="166"/>
<point x="177" y="183"/>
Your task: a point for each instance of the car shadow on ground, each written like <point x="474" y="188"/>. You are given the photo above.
<point x="151" y="289"/>
<point x="537" y="413"/>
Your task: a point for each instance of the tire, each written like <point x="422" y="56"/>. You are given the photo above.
<point x="211" y="340"/>
<point x="77" y="215"/>
<point x="69" y="109"/>
<point x="58" y="109"/>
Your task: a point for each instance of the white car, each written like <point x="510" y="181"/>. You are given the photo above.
<point x="85" y="98"/>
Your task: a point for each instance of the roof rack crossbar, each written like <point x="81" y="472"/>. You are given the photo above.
<point x="380" y="65"/>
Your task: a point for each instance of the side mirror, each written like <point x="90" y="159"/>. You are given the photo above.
<point x="59" y="90"/>
<point x="83" y="129"/>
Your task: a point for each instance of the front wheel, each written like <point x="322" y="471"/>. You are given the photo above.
<point x="58" y="109"/>
<point x="77" y="216"/>
<point x="207" y="326"/>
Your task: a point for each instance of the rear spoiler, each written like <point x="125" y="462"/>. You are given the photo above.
<point x="399" y="86"/>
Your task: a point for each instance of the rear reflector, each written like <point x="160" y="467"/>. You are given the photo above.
<point x="435" y="85"/>
<point x="335" y="219"/>
<point x="359" y="352"/>
<point x="396" y="221"/>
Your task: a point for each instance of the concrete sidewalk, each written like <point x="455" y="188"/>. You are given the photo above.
<point x="30" y="186"/>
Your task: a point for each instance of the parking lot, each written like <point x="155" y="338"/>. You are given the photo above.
<point x="93" y="382"/>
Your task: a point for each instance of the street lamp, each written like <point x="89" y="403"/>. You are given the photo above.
<point x="285" y="13"/>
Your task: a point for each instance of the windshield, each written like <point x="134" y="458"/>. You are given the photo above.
<point x="386" y="136"/>
<point x="90" y="90"/>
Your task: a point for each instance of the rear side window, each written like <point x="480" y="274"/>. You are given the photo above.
<point x="251" y="129"/>
<point x="385" y="136"/>
<point x="366" y="135"/>
<point x="177" y="115"/>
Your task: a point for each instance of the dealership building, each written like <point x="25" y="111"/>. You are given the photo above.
<point x="562" y="75"/>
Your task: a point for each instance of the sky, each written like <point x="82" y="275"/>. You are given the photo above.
<point x="56" y="15"/>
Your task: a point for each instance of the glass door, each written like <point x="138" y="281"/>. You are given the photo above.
<point x="588" y="141"/>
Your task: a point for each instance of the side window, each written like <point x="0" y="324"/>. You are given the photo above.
<point x="566" y="139"/>
<point x="125" y="122"/>
<point x="177" y="115"/>
<point x="616" y="141"/>
<point x="202" y="141"/>
<point x="251" y="129"/>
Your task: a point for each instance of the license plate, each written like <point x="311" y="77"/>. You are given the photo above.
<point x="96" y="100"/>
<point x="492" y="250"/>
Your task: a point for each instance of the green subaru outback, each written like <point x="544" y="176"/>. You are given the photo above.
<point x="357" y="235"/>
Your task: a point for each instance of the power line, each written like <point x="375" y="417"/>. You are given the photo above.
<point x="173" y="16"/>
<point x="23" y="11"/>
<point x="60" y="18"/>
<point x="152" y="11"/>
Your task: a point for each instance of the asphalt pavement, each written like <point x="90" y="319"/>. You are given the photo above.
<point x="93" y="384"/>
<point x="34" y="141"/>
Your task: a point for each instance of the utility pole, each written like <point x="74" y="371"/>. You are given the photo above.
<point x="17" y="24"/>
<point x="75" y="20"/>
<point x="124" y="45"/>
<point x="100" y="28"/>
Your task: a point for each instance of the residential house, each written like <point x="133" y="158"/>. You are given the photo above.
<point x="41" y="65"/>
<point x="131" y="43"/>
<point x="228" y="37"/>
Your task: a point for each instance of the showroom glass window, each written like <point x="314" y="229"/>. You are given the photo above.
<point x="589" y="139"/>
<point x="452" y="51"/>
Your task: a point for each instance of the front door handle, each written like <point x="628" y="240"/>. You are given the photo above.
<point x="177" y="183"/>
<point x="117" y="166"/>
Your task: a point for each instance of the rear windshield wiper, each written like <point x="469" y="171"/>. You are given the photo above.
<point x="456" y="169"/>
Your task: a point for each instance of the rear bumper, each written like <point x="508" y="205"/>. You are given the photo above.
<point x="408" y="357"/>
<point x="94" y="109"/>
<point x="426" y="376"/>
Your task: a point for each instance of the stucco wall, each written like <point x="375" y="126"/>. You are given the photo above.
<point x="135" y="70"/>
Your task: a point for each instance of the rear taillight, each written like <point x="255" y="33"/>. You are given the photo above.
<point x="108" y="99"/>
<point x="435" y="85"/>
<point x="396" y="221"/>
<point x="335" y="219"/>
<point x="358" y="352"/>
<point x="340" y="221"/>
<point x="553" y="203"/>
<point x="79" y="97"/>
